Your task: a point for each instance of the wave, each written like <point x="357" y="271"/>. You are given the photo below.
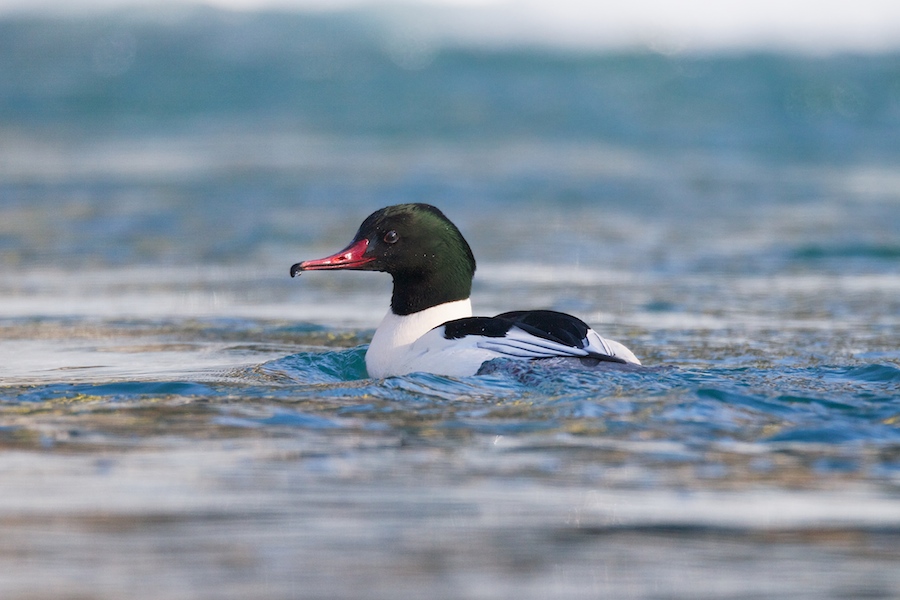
<point x="412" y="30"/>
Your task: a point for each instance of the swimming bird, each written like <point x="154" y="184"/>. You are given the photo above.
<point x="430" y="327"/>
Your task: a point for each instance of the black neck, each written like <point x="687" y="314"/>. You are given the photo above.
<point x="414" y="293"/>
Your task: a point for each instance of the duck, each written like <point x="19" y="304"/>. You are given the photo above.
<point x="430" y="326"/>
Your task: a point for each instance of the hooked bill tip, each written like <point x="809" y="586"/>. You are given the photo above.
<point x="296" y="270"/>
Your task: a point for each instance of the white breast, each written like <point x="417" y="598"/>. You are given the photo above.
<point x="389" y="351"/>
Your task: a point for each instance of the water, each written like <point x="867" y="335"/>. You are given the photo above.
<point x="180" y="419"/>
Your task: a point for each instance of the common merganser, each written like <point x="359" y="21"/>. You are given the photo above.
<point x="430" y="327"/>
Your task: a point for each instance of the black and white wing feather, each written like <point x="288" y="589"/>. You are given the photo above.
<point x="538" y="334"/>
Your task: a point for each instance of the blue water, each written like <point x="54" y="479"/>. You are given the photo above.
<point x="178" y="415"/>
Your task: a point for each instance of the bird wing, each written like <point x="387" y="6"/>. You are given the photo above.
<point x="534" y="334"/>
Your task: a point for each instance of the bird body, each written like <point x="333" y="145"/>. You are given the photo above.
<point x="429" y="326"/>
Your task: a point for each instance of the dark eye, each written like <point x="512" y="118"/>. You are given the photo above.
<point x="391" y="237"/>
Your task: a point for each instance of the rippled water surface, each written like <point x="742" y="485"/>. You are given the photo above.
<point x="181" y="419"/>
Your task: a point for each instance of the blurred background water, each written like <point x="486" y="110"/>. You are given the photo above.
<point x="180" y="419"/>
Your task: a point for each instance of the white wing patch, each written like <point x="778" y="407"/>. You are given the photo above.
<point x="520" y="344"/>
